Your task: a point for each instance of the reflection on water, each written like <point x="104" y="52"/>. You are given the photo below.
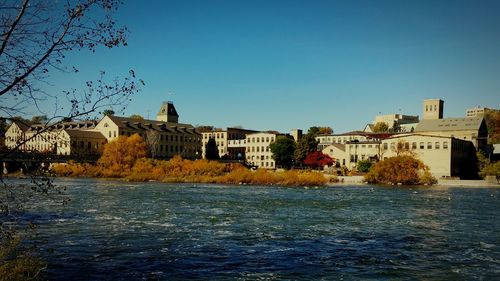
<point x="114" y="230"/>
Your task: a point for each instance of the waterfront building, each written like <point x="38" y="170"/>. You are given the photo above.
<point x="349" y="154"/>
<point x="444" y="155"/>
<point x="66" y="138"/>
<point x="344" y="138"/>
<point x="231" y="142"/>
<point x="16" y="135"/>
<point x="258" y="151"/>
<point x="164" y="139"/>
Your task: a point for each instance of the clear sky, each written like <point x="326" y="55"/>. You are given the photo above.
<point x="294" y="64"/>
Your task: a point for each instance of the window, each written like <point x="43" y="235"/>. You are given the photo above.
<point x="436" y="145"/>
<point x="407" y="145"/>
<point x="422" y="145"/>
<point x="426" y="108"/>
<point x="413" y="145"/>
<point x="114" y="134"/>
<point x="392" y="146"/>
<point x="429" y="145"/>
<point x="385" y="146"/>
<point x="445" y="145"/>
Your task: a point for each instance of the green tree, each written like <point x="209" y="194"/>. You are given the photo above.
<point x="108" y="112"/>
<point x="283" y="149"/>
<point x="307" y="144"/>
<point x="39" y="119"/>
<point x="380" y="127"/>
<point x="364" y="166"/>
<point x="204" y="128"/>
<point x="211" y="150"/>
<point x="136" y="117"/>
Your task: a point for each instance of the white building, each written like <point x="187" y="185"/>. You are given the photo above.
<point x="258" y="151"/>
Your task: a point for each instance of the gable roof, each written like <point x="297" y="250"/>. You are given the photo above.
<point x="136" y="124"/>
<point x="450" y="124"/>
<point x="23" y="126"/>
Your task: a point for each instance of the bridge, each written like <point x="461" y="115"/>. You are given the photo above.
<point x="14" y="160"/>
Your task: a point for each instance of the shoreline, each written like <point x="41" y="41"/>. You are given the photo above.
<point x="351" y="182"/>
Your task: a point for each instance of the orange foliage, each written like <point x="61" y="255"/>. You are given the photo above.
<point x="120" y="155"/>
<point x="119" y="161"/>
<point x="403" y="169"/>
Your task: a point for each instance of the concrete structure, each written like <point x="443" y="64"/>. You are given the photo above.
<point x="475" y="112"/>
<point x="445" y="156"/>
<point x="231" y="142"/>
<point x="258" y="152"/>
<point x="433" y="109"/>
<point x="469" y="129"/>
<point x="394" y="121"/>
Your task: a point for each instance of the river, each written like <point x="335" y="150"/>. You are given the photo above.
<point x="153" y="231"/>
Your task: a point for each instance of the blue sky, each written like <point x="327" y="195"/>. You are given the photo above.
<point x="294" y="64"/>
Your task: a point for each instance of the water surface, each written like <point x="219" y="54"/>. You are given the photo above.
<point x="153" y="231"/>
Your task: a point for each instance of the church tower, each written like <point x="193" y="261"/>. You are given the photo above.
<point x="168" y="113"/>
<point x="433" y="109"/>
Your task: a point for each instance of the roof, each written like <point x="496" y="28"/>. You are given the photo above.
<point x="337" y="145"/>
<point x="24" y="126"/>
<point x="86" y="124"/>
<point x="168" y="108"/>
<point x="85" y="134"/>
<point x="135" y="124"/>
<point x="450" y="124"/>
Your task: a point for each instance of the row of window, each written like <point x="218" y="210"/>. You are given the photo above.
<point x="340" y="139"/>
<point x="262" y="157"/>
<point x="258" y="149"/>
<point x="263" y="164"/>
<point x="421" y="145"/>
<point x="260" y="139"/>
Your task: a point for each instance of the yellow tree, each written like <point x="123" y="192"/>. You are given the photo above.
<point x="119" y="156"/>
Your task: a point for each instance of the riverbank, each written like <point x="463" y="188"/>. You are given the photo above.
<point x="178" y="170"/>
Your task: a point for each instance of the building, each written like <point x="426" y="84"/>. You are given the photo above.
<point x="470" y="129"/>
<point x="359" y="136"/>
<point x="296" y="134"/>
<point x="475" y="112"/>
<point x="445" y="156"/>
<point x="433" y="109"/>
<point x="15" y="136"/>
<point x="258" y="151"/>
<point x="394" y="121"/>
<point x="164" y="139"/>
<point x="231" y="142"/>
<point x="349" y="154"/>
<point x="66" y="138"/>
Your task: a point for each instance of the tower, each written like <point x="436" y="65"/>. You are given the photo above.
<point x="167" y="113"/>
<point x="433" y="109"/>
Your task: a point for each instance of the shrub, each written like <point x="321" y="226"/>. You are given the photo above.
<point x="364" y="166"/>
<point x="403" y="169"/>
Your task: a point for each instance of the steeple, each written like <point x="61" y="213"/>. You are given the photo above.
<point x="167" y="113"/>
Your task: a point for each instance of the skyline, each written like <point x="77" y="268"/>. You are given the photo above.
<point x="296" y="64"/>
